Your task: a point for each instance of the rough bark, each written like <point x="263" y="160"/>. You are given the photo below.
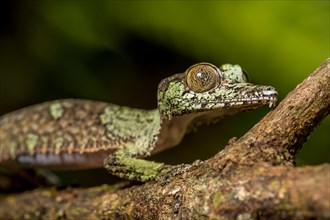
<point x="252" y="178"/>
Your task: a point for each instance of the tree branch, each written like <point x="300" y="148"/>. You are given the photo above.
<point x="279" y="136"/>
<point x="253" y="177"/>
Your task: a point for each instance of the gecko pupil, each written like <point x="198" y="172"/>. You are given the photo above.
<point x="202" y="78"/>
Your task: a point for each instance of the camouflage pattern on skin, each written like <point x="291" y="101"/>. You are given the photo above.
<point x="82" y="133"/>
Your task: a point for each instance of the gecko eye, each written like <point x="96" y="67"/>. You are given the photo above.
<point x="202" y="77"/>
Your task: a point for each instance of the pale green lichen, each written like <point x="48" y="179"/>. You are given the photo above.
<point x="31" y="142"/>
<point x="217" y="199"/>
<point x="232" y="73"/>
<point x="282" y="192"/>
<point x="171" y="98"/>
<point x="124" y="123"/>
<point x="106" y="116"/>
<point x="274" y="184"/>
<point x="56" y="110"/>
<point x="174" y="89"/>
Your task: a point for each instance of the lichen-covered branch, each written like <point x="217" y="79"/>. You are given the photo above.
<point x="252" y="178"/>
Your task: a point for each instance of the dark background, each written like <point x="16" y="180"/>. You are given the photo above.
<point x="118" y="51"/>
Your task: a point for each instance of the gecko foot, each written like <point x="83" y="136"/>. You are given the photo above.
<point x="130" y="168"/>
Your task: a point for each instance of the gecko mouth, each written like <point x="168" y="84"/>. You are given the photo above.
<point x="271" y="100"/>
<point x="268" y="96"/>
<point x="249" y="102"/>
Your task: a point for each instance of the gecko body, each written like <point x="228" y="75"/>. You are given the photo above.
<point x="73" y="133"/>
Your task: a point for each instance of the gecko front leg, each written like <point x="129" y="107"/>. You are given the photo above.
<point x="136" y="132"/>
<point x="123" y="163"/>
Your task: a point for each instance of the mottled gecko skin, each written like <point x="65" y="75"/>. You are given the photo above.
<point x="56" y="133"/>
<point x="81" y="133"/>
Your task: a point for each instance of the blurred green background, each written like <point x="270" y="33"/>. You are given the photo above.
<point x="118" y="51"/>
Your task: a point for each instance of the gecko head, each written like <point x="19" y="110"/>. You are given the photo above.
<point x="204" y="87"/>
